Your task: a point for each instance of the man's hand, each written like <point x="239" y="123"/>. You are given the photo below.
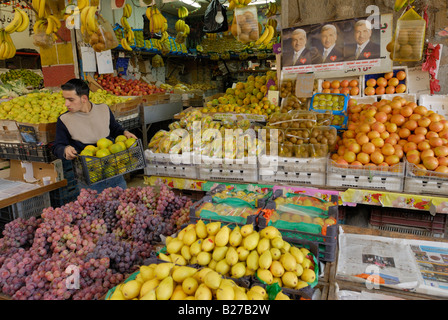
<point x="70" y="153"/>
<point x="128" y="135"/>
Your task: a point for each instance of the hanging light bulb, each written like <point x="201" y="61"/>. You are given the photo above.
<point x="219" y="18"/>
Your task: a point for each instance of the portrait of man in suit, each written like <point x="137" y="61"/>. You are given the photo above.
<point x="364" y="48"/>
<point x="329" y="51"/>
<point x="298" y="53"/>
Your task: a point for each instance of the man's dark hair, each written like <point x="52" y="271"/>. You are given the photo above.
<point x="78" y="85"/>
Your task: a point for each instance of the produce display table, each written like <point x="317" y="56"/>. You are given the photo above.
<point x="32" y="193"/>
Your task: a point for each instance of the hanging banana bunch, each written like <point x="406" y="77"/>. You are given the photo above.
<point x="19" y="23"/>
<point x="183" y="30"/>
<point x="271" y="10"/>
<point x="92" y="32"/>
<point x="157" y="22"/>
<point x="47" y="22"/>
<point x="266" y="37"/>
<point x="7" y="47"/>
<point x="238" y="3"/>
<point x="129" y="37"/>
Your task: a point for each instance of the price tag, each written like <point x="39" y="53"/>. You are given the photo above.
<point x="88" y="59"/>
<point x="273" y="97"/>
<point x="304" y="85"/>
<point x="418" y="81"/>
<point x="104" y="62"/>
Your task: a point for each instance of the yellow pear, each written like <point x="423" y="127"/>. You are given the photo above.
<point x="297" y="253"/>
<point x="148" y="286"/>
<point x="183" y="272"/>
<point x="243" y="253"/>
<point x="299" y="270"/>
<point x="147" y="273"/>
<point x="275" y="253"/>
<point x="269" y="232"/>
<point x="165" y="289"/>
<point x="213" y="228"/>
<point x="252" y="295"/>
<point x="249" y="272"/>
<point x="185" y="252"/>
<point x="213" y="279"/>
<point x="308" y="275"/>
<point x="265" y="260"/>
<point x="203" y="293"/>
<point x="201" y="230"/>
<point x="180" y="235"/>
<point x="260" y="290"/>
<point x="189" y="237"/>
<point x="289" y="279"/>
<point x="240" y="293"/>
<point x="164" y="257"/>
<point x="163" y="270"/>
<point x="174" y="246"/>
<point x="265" y="276"/>
<point x="263" y="245"/>
<point x="219" y="253"/>
<point x="278" y="280"/>
<point x="277" y="269"/>
<point x="246" y="230"/>
<point x="231" y="256"/>
<point x="131" y="289"/>
<point x="238" y="270"/>
<point x="306" y="264"/>
<point x="222" y="267"/>
<point x="277" y="242"/>
<point x="196" y="247"/>
<point x="251" y="241"/>
<point x="252" y="260"/>
<point x="189" y="285"/>
<point x="225" y="292"/>
<point x="305" y="251"/>
<point x="178" y="293"/>
<point x="286" y="246"/>
<point x="117" y="294"/>
<point x="150" y="295"/>
<point x="200" y="276"/>
<point x="208" y="244"/>
<point x="222" y="237"/>
<point x="178" y="259"/>
<point x="301" y="284"/>
<point x="168" y="239"/>
<point x="212" y="264"/>
<point x="204" y="258"/>
<point x="235" y="237"/>
<point x="288" y="261"/>
<point x="281" y="296"/>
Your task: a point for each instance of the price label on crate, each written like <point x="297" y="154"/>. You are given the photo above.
<point x="305" y="85"/>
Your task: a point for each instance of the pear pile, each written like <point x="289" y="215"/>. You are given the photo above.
<point x="242" y="252"/>
<point x="168" y="281"/>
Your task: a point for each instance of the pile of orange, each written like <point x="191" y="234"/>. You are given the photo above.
<point x="389" y="83"/>
<point x="345" y="86"/>
<point x="385" y="132"/>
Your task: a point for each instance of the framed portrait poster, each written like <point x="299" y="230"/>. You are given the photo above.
<point x="340" y="48"/>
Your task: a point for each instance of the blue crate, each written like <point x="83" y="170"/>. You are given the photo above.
<point x="342" y="111"/>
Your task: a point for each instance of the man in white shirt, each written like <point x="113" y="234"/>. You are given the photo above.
<point x="365" y="48"/>
<point x="329" y="52"/>
<point x="300" y="54"/>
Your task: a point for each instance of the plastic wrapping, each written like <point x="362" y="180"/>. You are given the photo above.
<point x="247" y="24"/>
<point x="291" y="103"/>
<point x="409" y="37"/>
<point x="104" y="38"/>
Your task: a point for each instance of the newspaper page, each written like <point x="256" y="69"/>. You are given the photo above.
<point x="431" y="259"/>
<point x="376" y="261"/>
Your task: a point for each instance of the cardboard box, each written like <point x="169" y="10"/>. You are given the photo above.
<point x="93" y="85"/>
<point x="33" y="172"/>
<point x="123" y="108"/>
<point x="9" y="132"/>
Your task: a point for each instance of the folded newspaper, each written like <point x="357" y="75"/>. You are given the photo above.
<point x="403" y="264"/>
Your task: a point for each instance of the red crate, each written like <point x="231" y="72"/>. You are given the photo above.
<point x="409" y="221"/>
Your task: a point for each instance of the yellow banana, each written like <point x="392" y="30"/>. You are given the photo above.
<point x="92" y="23"/>
<point x="2" y="50"/>
<point x="82" y="4"/>
<point x="83" y="14"/>
<point x="25" y="21"/>
<point x="50" y="26"/>
<point x="35" y="4"/>
<point x="41" y="12"/>
<point x="15" y="23"/>
<point x="263" y="36"/>
<point x="12" y="47"/>
<point x="187" y="29"/>
<point x="127" y="10"/>
<point x="125" y="44"/>
<point x="130" y="36"/>
<point x="165" y="26"/>
<point x="56" y="23"/>
<point x="8" y="50"/>
<point x="270" y="35"/>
